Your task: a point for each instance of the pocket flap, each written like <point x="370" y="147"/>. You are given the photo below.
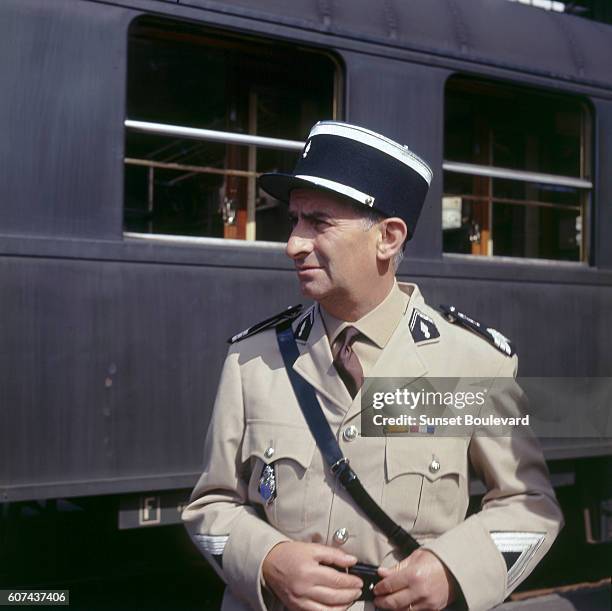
<point x="271" y="441"/>
<point x="430" y="457"/>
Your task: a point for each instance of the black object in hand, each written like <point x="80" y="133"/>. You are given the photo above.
<point x="368" y="573"/>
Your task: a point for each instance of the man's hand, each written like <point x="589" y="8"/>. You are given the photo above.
<point x="297" y="573"/>
<point x="418" y="583"/>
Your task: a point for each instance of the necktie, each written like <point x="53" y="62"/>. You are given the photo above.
<point x="346" y="362"/>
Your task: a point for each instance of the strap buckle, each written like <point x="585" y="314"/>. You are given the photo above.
<point x="342" y="470"/>
<point x="339" y="465"/>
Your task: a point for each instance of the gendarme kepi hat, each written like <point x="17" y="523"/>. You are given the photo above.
<point x="359" y="164"/>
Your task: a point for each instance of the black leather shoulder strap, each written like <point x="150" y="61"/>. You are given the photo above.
<point x="327" y="443"/>
<point x="309" y="404"/>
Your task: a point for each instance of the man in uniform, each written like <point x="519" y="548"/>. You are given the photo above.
<point x="268" y="512"/>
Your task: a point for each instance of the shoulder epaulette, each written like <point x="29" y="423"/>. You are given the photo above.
<point x="493" y="336"/>
<point x="289" y="314"/>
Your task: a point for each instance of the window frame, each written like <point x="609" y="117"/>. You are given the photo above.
<point x="586" y="185"/>
<point x="253" y="141"/>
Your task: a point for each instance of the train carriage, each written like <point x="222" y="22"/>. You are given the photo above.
<point x="134" y="239"/>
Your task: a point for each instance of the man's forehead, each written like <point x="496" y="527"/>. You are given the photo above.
<point x="314" y="200"/>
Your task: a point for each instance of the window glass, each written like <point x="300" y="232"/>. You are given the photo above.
<point x="517" y="172"/>
<point x="185" y="76"/>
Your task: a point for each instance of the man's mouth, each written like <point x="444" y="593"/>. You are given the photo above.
<point x="305" y="270"/>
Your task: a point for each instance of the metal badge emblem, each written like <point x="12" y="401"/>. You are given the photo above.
<point x="267" y="484"/>
<point x="422" y="327"/>
<point x="302" y="331"/>
<point x="500" y="341"/>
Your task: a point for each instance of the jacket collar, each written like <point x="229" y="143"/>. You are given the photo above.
<point x="315" y="363"/>
<point x="399" y="359"/>
<point x="377" y="325"/>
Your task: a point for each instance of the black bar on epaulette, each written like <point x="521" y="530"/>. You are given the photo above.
<point x="325" y="439"/>
<point x="289" y="314"/>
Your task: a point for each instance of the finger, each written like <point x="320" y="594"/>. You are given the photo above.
<point x="419" y="605"/>
<point x="315" y="606"/>
<point x="331" y="555"/>
<point x="385" y="586"/>
<point x="384" y="571"/>
<point x="332" y="596"/>
<point x="332" y="578"/>
<point x="393" y="582"/>
<point x="398" y="600"/>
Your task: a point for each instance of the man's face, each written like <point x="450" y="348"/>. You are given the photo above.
<point x="334" y="256"/>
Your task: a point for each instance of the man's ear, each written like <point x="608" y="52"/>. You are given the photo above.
<point x="393" y="232"/>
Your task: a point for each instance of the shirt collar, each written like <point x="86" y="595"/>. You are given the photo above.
<point x="377" y="325"/>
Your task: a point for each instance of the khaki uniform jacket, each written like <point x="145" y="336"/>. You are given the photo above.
<point x="257" y="421"/>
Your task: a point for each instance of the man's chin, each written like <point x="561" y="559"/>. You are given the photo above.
<point x="311" y="291"/>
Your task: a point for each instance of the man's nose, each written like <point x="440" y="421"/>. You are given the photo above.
<point x="298" y="247"/>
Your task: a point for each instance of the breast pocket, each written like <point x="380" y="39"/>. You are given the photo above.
<point x="287" y="450"/>
<point x="426" y="487"/>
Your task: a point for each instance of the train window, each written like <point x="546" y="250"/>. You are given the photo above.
<point x="207" y="113"/>
<point x="517" y="172"/>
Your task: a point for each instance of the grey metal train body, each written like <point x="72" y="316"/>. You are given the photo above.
<point x="112" y="337"/>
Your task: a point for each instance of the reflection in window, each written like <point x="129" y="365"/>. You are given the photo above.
<point x="517" y="172"/>
<point x="185" y="76"/>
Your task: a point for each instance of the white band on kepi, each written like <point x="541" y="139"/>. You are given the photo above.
<point x="377" y="141"/>
<point x="362" y="198"/>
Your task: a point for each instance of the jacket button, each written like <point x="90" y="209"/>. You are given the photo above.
<point x="350" y="433"/>
<point x="341" y="536"/>
<point x="269" y="453"/>
<point x="434" y="465"/>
